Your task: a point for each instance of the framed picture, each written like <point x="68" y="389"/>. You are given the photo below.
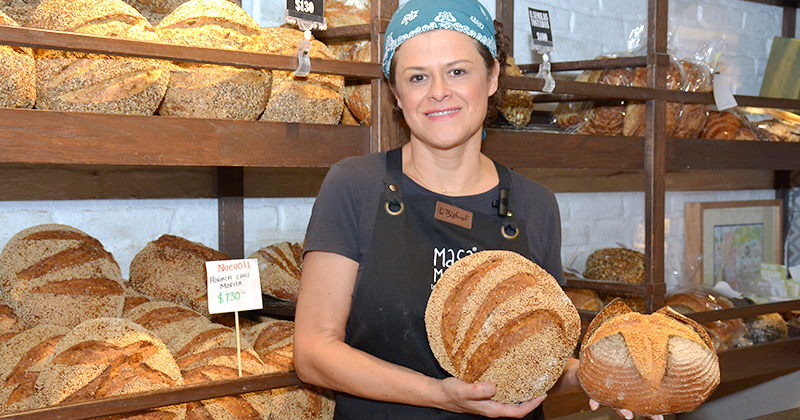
<point x="733" y="238"/>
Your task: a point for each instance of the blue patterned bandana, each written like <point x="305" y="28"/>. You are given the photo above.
<point x="417" y="16"/>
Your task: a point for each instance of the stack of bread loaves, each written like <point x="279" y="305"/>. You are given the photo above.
<point x="17" y="75"/>
<point x="73" y="81"/>
<point x="210" y="91"/>
<point x="279" y="267"/>
<point x="497" y="316"/>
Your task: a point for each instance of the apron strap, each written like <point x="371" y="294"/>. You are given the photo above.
<point x="393" y="181"/>
<point x="504" y="203"/>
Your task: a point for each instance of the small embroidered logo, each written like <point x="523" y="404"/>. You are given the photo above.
<point x="409" y="17"/>
<point x="445" y="17"/>
<point x="476" y="21"/>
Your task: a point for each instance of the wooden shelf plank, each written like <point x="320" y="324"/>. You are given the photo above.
<point x="731" y="154"/>
<point x="743" y="362"/>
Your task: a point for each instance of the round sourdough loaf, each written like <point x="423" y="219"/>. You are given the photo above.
<point x="497" y="316"/>
<point x="279" y="267"/>
<point x="172" y="268"/>
<point x="81" y="82"/>
<point x="17" y="74"/>
<point x="22" y="357"/>
<point x="104" y="357"/>
<point x="56" y="274"/>
<point x="662" y="363"/>
<point x="273" y="340"/>
<point x="168" y="321"/>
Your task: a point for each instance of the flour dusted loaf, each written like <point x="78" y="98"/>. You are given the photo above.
<point x="316" y="99"/>
<point x="17" y="73"/>
<point x="273" y="340"/>
<point x="497" y="316"/>
<point x="279" y="267"/>
<point x="56" y="274"/>
<point x="661" y="363"/>
<point x="172" y="268"/>
<point x="21" y="360"/>
<point x="210" y="91"/>
<point x="620" y="265"/>
<point x="81" y="82"/>
<point x="104" y="357"/>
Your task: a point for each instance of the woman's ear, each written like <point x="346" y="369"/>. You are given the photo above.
<point x="396" y="96"/>
<point x="494" y="78"/>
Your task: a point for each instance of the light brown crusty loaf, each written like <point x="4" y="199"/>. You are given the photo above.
<point x="357" y="97"/>
<point x="316" y="98"/>
<point x="273" y="340"/>
<point x="19" y="10"/>
<point x="156" y="10"/>
<point x="21" y="359"/>
<point x="104" y="357"/>
<point x="347" y="12"/>
<point x="661" y="363"/>
<point x="724" y="334"/>
<point x="17" y="74"/>
<point x="9" y="322"/>
<point x="170" y="322"/>
<point x="172" y="268"/>
<point x="72" y="81"/>
<point x="56" y="274"/>
<point x="210" y="91"/>
<point x="497" y="316"/>
<point x="585" y="299"/>
<point x="279" y="267"/>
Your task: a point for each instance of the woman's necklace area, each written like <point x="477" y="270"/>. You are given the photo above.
<point x="428" y="185"/>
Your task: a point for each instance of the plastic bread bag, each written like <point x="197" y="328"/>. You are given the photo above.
<point x="730" y="124"/>
<point x="724" y="334"/>
<point x="698" y="73"/>
<point x="773" y="124"/>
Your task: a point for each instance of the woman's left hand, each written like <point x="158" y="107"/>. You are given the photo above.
<point x="476" y="398"/>
<point x="627" y="414"/>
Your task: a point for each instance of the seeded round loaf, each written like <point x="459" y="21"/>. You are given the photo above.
<point x="497" y="316"/>
<point x="279" y="268"/>
<point x="172" y="268"/>
<point x="21" y="359"/>
<point x="73" y="81"/>
<point x="105" y="357"/>
<point x="56" y="274"/>
<point x="617" y="264"/>
<point x="17" y="74"/>
<point x="661" y="363"/>
<point x="9" y="321"/>
<point x="170" y="322"/>
<point x="156" y="10"/>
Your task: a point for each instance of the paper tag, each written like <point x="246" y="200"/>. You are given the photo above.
<point x="541" y="34"/>
<point x="722" y="93"/>
<point x="773" y="271"/>
<point x="452" y="214"/>
<point x="310" y="10"/>
<point x="233" y="285"/>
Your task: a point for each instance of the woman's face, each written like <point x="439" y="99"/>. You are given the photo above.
<point x="443" y="87"/>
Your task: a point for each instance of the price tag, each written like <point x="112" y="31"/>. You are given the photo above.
<point x="307" y="10"/>
<point x="541" y="33"/>
<point x="233" y="285"/>
<point x="722" y="93"/>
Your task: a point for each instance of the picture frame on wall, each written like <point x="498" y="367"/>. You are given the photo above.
<point x="731" y="239"/>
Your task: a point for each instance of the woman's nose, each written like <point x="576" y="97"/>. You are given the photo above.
<point x="440" y="89"/>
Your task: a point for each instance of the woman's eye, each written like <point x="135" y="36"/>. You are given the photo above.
<point x="417" y="78"/>
<point x="458" y="72"/>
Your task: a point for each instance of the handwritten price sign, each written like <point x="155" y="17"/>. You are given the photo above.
<point x="233" y="285"/>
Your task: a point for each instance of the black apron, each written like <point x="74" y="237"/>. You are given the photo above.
<point x="410" y="249"/>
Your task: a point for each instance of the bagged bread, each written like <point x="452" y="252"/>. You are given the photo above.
<point x="692" y="118"/>
<point x="724" y="334"/>
<point x="210" y="91"/>
<point x="727" y="125"/>
<point x="617" y="264"/>
<point x="635" y="112"/>
<point x="172" y="268"/>
<point x="56" y="274"/>
<point x="81" y="82"/>
<point x="314" y="99"/>
<point x="661" y="363"/>
<point x="17" y="73"/>
<point x="104" y="357"/>
<point x="497" y="316"/>
<point x="279" y="267"/>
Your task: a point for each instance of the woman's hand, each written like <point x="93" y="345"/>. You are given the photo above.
<point x="462" y="397"/>
<point x="627" y="414"/>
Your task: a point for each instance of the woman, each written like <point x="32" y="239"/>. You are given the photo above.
<point x="374" y="248"/>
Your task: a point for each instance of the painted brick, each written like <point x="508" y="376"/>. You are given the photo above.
<point x="575" y="235"/>
<point x="593" y="206"/>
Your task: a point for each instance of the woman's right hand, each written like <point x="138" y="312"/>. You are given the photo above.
<point x="463" y="397"/>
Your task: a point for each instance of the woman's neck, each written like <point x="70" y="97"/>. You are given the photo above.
<point x="457" y="172"/>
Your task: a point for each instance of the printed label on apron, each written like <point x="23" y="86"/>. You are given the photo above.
<point x="452" y="214"/>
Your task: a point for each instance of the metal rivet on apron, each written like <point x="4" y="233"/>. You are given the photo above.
<point x="395" y="213"/>
<point x="509" y="214"/>
<point x="393" y="188"/>
<point x="506" y="235"/>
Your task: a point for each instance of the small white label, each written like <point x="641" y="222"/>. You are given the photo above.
<point x="722" y="93"/>
<point x="233" y="285"/>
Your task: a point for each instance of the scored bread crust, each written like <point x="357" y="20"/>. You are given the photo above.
<point x="279" y="268"/>
<point x="497" y="316"/>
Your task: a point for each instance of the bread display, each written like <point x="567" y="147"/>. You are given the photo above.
<point x="517" y="105"/>
<point x="156" y="10"/>
<point x="81" y="82"/>
<point x="56" y="274"/>
<point x="585" y="299"/>
<point x="279" y="267"/>
<point x="316" y="99"/>
<point x="273" y="340"/>
<point x="620" y="265"/>
<point x="168" y="321"/>
<point x="766" y="328"/>
<point x="17" y="73"/>
<point x="357" y="97"/>
<point x="497" y="316"/>
<point x="210" y="91"/>
<point x="172" y="268"/>
<point x="726" y="125"/>
<point x="104" y="357"/>
<point x="634" y="124"/>
<point x="347" y="12"/>
<point x="21" y="360"/>
<point x="724" y="334"/>
<point x="662" y="363"/>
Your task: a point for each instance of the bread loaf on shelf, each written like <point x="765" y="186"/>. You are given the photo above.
<point x="168" y="321"/>
<point x="661" y="363"/>
<point x="697" y="76"/>
<point x="156" y="10"/>
<point x="347" y="12"/>
<point x="314" y="99"/>
<point x="19" y="10"/>
<point x="724" y="334"/>
<point x="210" y="91"/>
<point x="766" y="328"/>
<point x="17" y="73"/>
<point x="172" y="268"/>
<point x="22" y="358"/>
<point x="104" y="357"/>
<point x="585" y="299"/>
<point x="620" y="265"/>
<point x="497" y="316"/>
<point x="81" y="82"/>
<point x="56" y="274"/>
<point x="279" y="267"/>
<point x="635" y="112"/>
<point x="517" y="105"/>
<point x="357" y="97"/>
<point x="727" y="125"/>
<point x="606" y="118"/>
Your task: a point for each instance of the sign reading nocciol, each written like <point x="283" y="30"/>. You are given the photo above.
<point x="233" y="286"/>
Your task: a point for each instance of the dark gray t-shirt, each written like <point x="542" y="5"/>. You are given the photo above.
<point x="344" y="212"/>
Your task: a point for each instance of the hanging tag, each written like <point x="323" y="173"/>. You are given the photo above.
<point x="303" y="58"/>
<point x="722" y="93"/>
<point x="544" y="73"/>
<point x="542" y="43"/>
<point x="307" y="10"/>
